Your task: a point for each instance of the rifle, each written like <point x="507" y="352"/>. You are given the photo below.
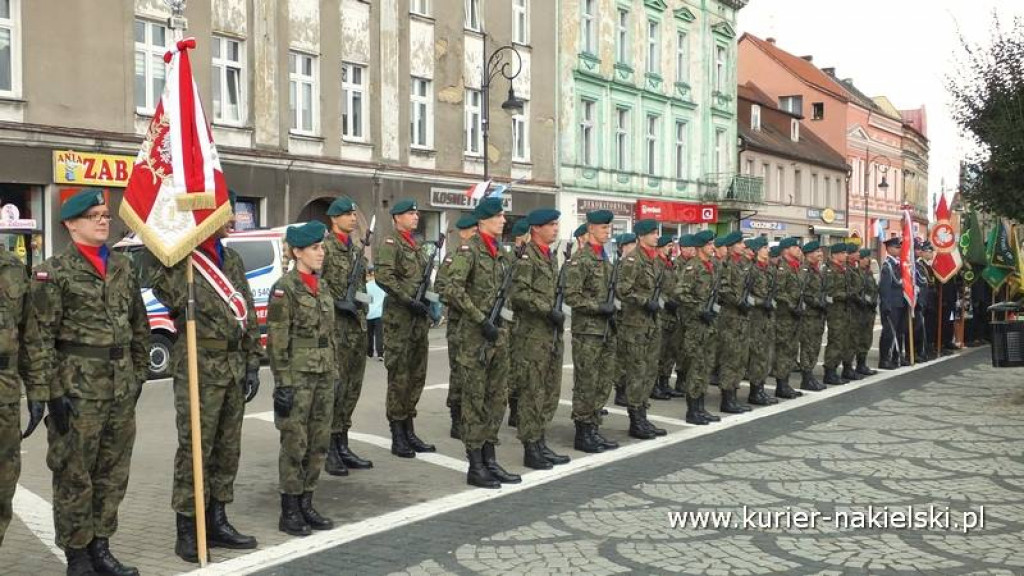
<point x="498" y="311"/>
<point x="823" y="298"/>
<point x="711" y="307"/>
<point x="748" y="286"/>
<point x="773" y="290"/>
<point x="656" y="297"/>
<point x="612" y="283"/>
<point x="801" y="304"/>
<point x="422" y="293"/>
<point x="353" y="294"/>
<point x="560" y="295"/>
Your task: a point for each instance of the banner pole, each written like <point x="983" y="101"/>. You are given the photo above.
<point x="198" y="483"/>
<point x="910" y="332"/>
<point x="938" y="333"/>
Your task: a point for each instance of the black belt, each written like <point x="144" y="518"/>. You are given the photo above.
<point x="5" y="362"/>
<point x="221" y="345"/>
<point x="321" y="342"/>
<point x="97" y="352"/>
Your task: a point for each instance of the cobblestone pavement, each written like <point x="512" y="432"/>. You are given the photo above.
<point x="945" y="436"/>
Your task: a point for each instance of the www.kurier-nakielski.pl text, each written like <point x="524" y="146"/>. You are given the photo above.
<point x="924" y="518"/>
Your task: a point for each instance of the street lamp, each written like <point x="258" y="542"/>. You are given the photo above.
<point x="883" y="186"/>
<point x="509" y="63"/>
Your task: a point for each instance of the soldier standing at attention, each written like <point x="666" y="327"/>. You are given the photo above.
<point x="926" y="315"/>
<point x="733" y="323"/>
<point x="854" y="306"/>
<point x="761" y="316"/>
<point x="623" y="363"/>
<point x="812" y="327"/>
<point x="302" y="343"/>
<point x="341" y="253"/>
<point x="865" y="330"/>
<point x="836" y="314"/>
<point x="893" y="308"/>
<point x="475" y="277"/>
<point x="87" y="340"/>
<point x="466" y="229"/>
<point x="400" y="267"/>
<point x="669" y="322"/>
<point x="533" y="298"/>
<point x="580" y="235"/>
<point x="593" y="336"/>
<point x="13" y="367"/>
<point x="697" y="293"/>
<point x="228" y="339"/>
<point x="517" y="370"/>
<point x="792" y="309"/>
<point x="687" y="253"/>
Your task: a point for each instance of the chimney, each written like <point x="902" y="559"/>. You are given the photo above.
<point x="770" y="41"/>
<point x="809" y="58"/>
<point x="829" y="71"/>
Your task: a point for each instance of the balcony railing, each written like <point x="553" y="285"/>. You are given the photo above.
<point x="729" y="187"/>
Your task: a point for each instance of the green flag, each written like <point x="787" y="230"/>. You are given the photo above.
<point x="997" y="253"/>
<point x="1003" y="254"/>
<point x="972" y="242"/>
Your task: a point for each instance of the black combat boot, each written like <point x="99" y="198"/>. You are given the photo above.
<point x="533" y="457"/>
<point x="849" y="373"/>
<point x="862" y="366"/>
<point x="478" y="474"/>
<point x="219" y="531"/>
<point x="400" y="440"/>
<point x="707" y="415"/>
<point x="584" y="441"/>
<point x="185" y="544"/>
<point x="636" y="428"/>
<point x="414" y="441"/>
<point x="693" y="415"/>
<point x="513" y="411"/>
<point x="784" y="390"/>
<point x="620" y="395"/>
<point x="79" y="562"/>
<point x="887" y="364"/>
<point x="757" y="396"/>
<point x="350" y="458"/>
<point x="660" y="390"/>
<point x="647" y="423"/>
<point x="334" y="465"/>
<point x="292" y="521"/>
<point x="809" y="382"/>
<point x="456" y="412"/>
<point x="904" y="361"/>
<point x="551" y="455"/>
<point x="831" y="378"/>
<point x="104" y="563"/>
<point x="499" y="473"/>
<point x="608" y="444"/>
<point x="729" y="404"/>
<point x="315" y="520"/>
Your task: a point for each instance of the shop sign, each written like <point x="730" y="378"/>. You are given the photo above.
<point x="624" y="209"/>
<point x="678" y="212"/>
<point x="827" y="215"/>
<point x="762" y="225"/>
<point x="89" y="169"/>
<point x="10" y="219"/>
<point x="456" y="198"/>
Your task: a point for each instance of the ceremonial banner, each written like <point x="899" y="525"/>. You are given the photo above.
<point x="176" y="196"/>
<point x="908" y="267"/>
<point x="1002" y="259"/>
<point x="947" y="260"/>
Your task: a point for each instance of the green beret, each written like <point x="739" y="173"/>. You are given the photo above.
<point x="465" y="222"/>
<point x="79" y="203"/>
<point x="600" y="217"/>
<point x="775" y="251"/>
<point x="488" y="208"/>
<point x="702" y="238"/>
<point x="625" y="238"/>
<point x="789" y="243"/>
<point x="521" y="227"/>
<point x="665" y="240"/>
<point x="542" y="216"/>
<point x="344" y="205"/>
<point x="734" y="237"/>
<point x="306" y="234"/>
<point x="865" y="252"/>
<point x="580" y="231"/>
<point x="403" y="206"/>
<point x="811" y="246"/>
<point x="644" y="227"/>
<point x="756" y="244"/>
<point x="686" y="241"/>
<point x="852" y="248"/>
<point x="834" y="249"/>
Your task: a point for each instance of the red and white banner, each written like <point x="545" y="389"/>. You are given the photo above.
<point x="908" y="264"/>
<point x="478" y="190"/>
<point x="176" y="196"/>
<point x="221" y="285"/>
<point x="947" y="260"/>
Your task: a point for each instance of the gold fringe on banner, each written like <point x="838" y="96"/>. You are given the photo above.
<point x="171" y="255"/>
<point x="195" y="201"/>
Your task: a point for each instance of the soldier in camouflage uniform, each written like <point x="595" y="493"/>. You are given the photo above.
<point x="475" y="278"/>
<point x="641" y="277"/>
<point x="341" y="255"/>
<point x="626" y="243"/>
<point x="13" y="365"/>
<point x="865" y="329"/>
<point x="667" y="248"/>
<point x="87" y="339"/>
<point x="854" y="306"/>
<point x="466" y="227"/>
<point x="761" y="333"/>
<point x="593" y="336"/>
<point x="687" y="254"/>
<point x="697" y="294"/>
<point x="517" y="365"/>
<point x="302" y="344"/>
<point x="228" y="340"/>
<point x="790" y="286"/>
<point x="733" y="323"/>
<point x="812" y="325"/>
<point x="400" y="267"/>
<point x="581" y="236"/>
<point x="837" y="315"/>
<point x="539" y="333"/>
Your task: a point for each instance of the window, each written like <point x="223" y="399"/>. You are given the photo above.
<point x="798" y="186"/>
<point x="794" y="130"/>
<point x="474" y="123"/>
<point x="828" y="192"/>
<point x="228" y="81"/>
<point x="815" y="193"/>
<point x="792" y="104"/>
<point x="622" y="139"/>
<point x="682" y="57"/>
<point x="588" y="110"/>
<point x="421" y="7"/>
<point x="755" y="117"/>
<point x="521" y="21"/>
<point x="766" y="176"/>
<point x="422" y="115"/>
<point x="521" y="134"/>
<point x="721" y="69"/>
<point x="473" y="16"/>
<point x="818" y="111"/>
<point x="749" y="169"/>
<point x="150" y="70"/>
<point x="653" y="54"/>
<point x="588" y="26"/>
<point x="622" y="37"/>
<point x="354" y="103"/>
<point x="302" y="93"/>
<point x="780" y="183"/>
<point x="9" y="42"/>
<point x="681" y="138"/>
<point x="651" y="151"/>
<point x="720" y="151"/>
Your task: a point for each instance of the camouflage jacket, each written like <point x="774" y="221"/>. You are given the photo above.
<point x="215" y="320"/>
<point x="301" y="335"/>
<point x="13" y="312"/>
<point x="764" y="275"/>
<point x="638" y="276"/>
<point x="533" y="292"/>
<point x="789" y="284"/>
<point x="87" y="336"/>
<point x="399" y="269"/>
<point x="734" y="280"/>
<point x="699" y="282"/>
<point x="441" y="280"/>
<point x="815" y="287"/>
<point x="870" y="286"/>
<point x="836" y="282"/>
<point x="854" y="286"/>
<point x="586" y="288"/>
<point x="474" y="279"/>
<point x="338" y="262"/>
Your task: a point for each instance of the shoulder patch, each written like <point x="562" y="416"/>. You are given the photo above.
<point x="630" y="259"/>
<point x="574" y="262"/>
<point x="524" y="257"/>
<point x="389" y="240"/>
<point x="464" y="248"/>
<point x="689" y="267"/>
<point x="448" y="260"/>
<point x="42" y="276"/>
<point x="278" y="293"/>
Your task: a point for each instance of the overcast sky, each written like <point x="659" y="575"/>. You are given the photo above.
<point x="903" y="49"/>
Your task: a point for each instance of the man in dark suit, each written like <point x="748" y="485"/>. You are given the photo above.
<point x="892" y="306"/>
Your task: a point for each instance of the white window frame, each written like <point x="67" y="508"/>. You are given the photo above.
<point x="682" y="56"/>
<point x="750" y="167"/>
<point x="588" y="122"/>
<point x="651" y="128"/>
<point x="350" y="92"/>
<point x="474" y="123"/>
<point x="720" y="150"/>
<point x="828" y="189"/>
<point x="221" y="66"/>
<point x="682" y="148"/>
<point x="780" y="182"/>
<point x="755" y="117"/>
<point x="420" y="7"/>
<point x="798" y="186"/>
<point x="154" y="60"/>
<point x="815" y="190"/>
<point x="474" y="16"/>
<point x="653" y="46"/>
<point x="13" y="26"/>
<point x="298" y="79"/>
<point x="721" y="67"/>
<point x="622" y="147"/>
<point x="521" y="134"/>
<point x="521" y="21"/>
<point x="794" y="130"/>
<point x="622" y="47"/>
<point x="588" y="26"/>
<point x="421" y="114"/>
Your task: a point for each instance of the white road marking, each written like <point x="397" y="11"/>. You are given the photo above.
<point x="441" y="386"/>
<point x="651" y="417"/>
<point x="37" y="514"/>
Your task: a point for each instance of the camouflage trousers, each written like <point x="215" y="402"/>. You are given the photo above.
<point x="305" y="433"/>
<point x="642" y="345"/>
<point x="684" y="356"/>
<point x="812" y="329"/>
<point x="221" y="409"/>
<point x="10" y="461"/>
<point x="593" y="375"/>
<point x="667" y="360"/>
<point x="787" y="342"/>
<point x="405" y="356"/>
<point x="351" y="366"/>
<point x="760" y="335"/>
<point x="90" y="467"/>
<point x="865" y="330"/>
<point x="702" y="341"/>
<point x="840" y="332"/>
<point x="484" y="385"/>
<point x="540" y="387"/>
<point x="519" y="359"/>
<point x="733" y="347"/>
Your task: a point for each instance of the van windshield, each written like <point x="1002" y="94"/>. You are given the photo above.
<point x="255" y="255"/>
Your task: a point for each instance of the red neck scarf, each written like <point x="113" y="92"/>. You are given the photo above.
<point x="97" y="256"/>
<point x="212" y="248"/>
<point x="311" y="281"/>
<point x="708" y="265"/>
<point x="408" y="238"/>
<point x="545" y="250"/>
<point x="651" y="253"/>
<point x="762" y="265"/>
<point x="793" y="262"/>
<point x="598" y="250"/>
<point x="344" y="239"/>
<point x="736" y="258"/>
<point x="666" y="260"/>
<point x="840" y="267"/>
<point x="490" y="243"/>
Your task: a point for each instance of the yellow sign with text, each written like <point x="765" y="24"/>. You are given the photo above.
<point x="91" y="169"/>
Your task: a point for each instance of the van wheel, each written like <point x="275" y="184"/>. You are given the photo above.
<point x="160" y="356"/>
